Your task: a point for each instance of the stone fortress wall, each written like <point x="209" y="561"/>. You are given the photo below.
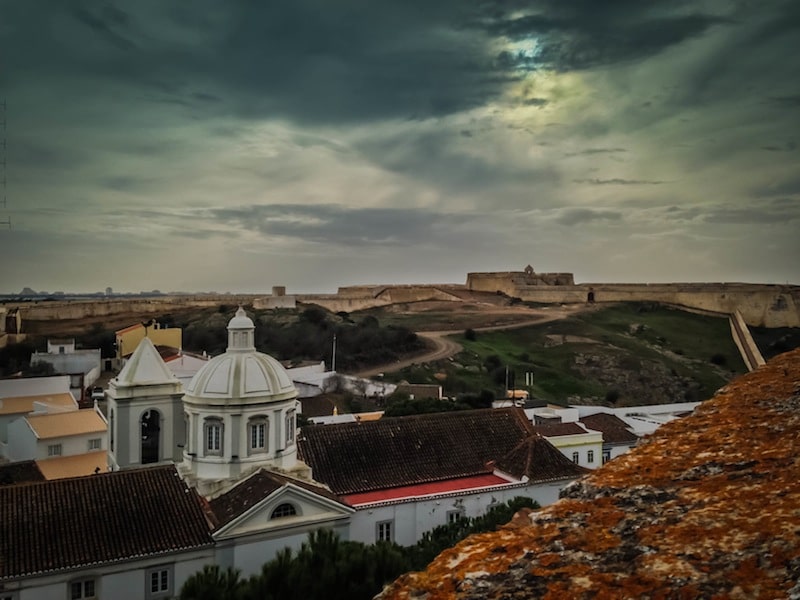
<point x="759" y="304"/>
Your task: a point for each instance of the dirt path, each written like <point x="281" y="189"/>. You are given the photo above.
<point x="443" y="348"/>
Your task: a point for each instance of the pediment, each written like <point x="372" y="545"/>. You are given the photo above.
<point x="311" y="510"/>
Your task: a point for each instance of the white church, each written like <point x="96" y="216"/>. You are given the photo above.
<point x="217" y="473"/>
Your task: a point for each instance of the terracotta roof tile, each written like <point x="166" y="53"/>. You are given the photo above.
<point x="614" y="429"/>
<point x="253" y="490"/>
<point x="538" y="460"/>
<point x="76" y="422"/>
<point x="24" y="471"/>
<point x="557" y="429"/>
<point x="24" y="404"/>
<point x="78" y="465"/>
<point x="361" y="457"/>
<point x="70" y="523"/>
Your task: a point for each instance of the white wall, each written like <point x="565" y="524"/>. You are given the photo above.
<point x="34" y="386"/>
<point x="21" y="441"/>
<point x="250" y="553"/>
<point x="71" y="445"/>
<point x="582" y="444"/>
<point x="122" y="581"/>
<point x="416" y="516"/>
<point x="82" y="361"/>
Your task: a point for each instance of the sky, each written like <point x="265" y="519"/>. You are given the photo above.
<point x="239" y="145"/>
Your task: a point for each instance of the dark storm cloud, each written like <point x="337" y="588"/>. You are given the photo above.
<point x="306" y="60"/>
<point x="339" y="225"/>
<point x="449" y="159"/>
<point x="590" y="151"/>
<point x="618" y="181"/>
<point x="586" y="33"/>
<point x="575" y="216"/>
<point x="787" y="101"/>
<point x="786" y="187"/>
<point x="106" y="20"/>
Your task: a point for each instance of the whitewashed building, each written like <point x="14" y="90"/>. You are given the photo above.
<point x="63" y="444"/>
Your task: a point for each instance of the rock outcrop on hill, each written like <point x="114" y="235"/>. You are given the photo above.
<point x="707" y="507"/>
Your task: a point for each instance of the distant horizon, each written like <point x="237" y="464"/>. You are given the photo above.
<point x="291" y="292"/>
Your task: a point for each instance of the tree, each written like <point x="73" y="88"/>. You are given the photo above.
<point x="470" y="335"/>
<point x="212" y="583"/>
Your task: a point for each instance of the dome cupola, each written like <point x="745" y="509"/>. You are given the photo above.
<point x="240" y="410"/>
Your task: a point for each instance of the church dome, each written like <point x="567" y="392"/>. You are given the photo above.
<point x="242" y="373"/>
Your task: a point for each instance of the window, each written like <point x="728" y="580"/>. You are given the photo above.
<point x="576" y="457"/>
<point x="283" y="510"/>
<point x="606" y="456"/>
<point x="590" y="456"/>
<point x="159" y="582"/>
<point x="54" y="450"/>
<point x="290" y="427"/>
<point x="213" y="435"/>
<point x="94" y="444"/>
<point x="80" y="590"/>
<point x="111" y="428"/>
<point x="383" y="531"/>
<point x="454" y="515"/>
<point x="258" y="434"/>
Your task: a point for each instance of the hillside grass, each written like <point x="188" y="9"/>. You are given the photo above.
<point x="634" y="333"/>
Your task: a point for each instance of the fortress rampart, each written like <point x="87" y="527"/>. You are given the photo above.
<point x="760" y="305"/>
<point x="763" y="305"/>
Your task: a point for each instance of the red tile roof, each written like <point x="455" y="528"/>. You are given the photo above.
<point x="556" y="429"/>
<point x="363" y="457"/>
<point x="69" y="523"/>
<point x="253" y="490"/>
<point x="427" y="489"/>
<point x="614" y="429"/>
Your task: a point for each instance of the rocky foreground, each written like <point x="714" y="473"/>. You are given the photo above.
<point x="707" y="507"/>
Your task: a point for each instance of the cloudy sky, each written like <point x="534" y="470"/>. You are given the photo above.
<point x="207" y="145"/>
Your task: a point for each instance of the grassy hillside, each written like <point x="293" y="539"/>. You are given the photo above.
<point x="626" y="354"/>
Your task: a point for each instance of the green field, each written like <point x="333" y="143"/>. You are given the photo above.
<point x="629" y="354"/>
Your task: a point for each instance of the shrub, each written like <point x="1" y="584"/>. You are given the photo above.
<point x="719" y="359"/>
<point x="469" y="334"/>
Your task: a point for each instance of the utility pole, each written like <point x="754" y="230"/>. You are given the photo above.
<point x="333" y="358"/>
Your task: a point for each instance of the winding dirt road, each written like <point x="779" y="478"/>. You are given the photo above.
<point x="443" y="348"/>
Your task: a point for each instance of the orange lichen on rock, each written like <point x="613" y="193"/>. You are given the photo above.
<point x="708" y="506"/>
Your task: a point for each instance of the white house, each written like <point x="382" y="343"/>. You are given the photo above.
<point x="83" y="366"/>
<point x="64" y="444"/>
<point x="583" y="447"/>
<point x="20" y="397"/>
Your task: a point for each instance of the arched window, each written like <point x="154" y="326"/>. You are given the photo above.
<point x="212" y="433"/>
<point x="151" y="436"/>
<point x="283" y="510"/>
<point x="257" y="434"/>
